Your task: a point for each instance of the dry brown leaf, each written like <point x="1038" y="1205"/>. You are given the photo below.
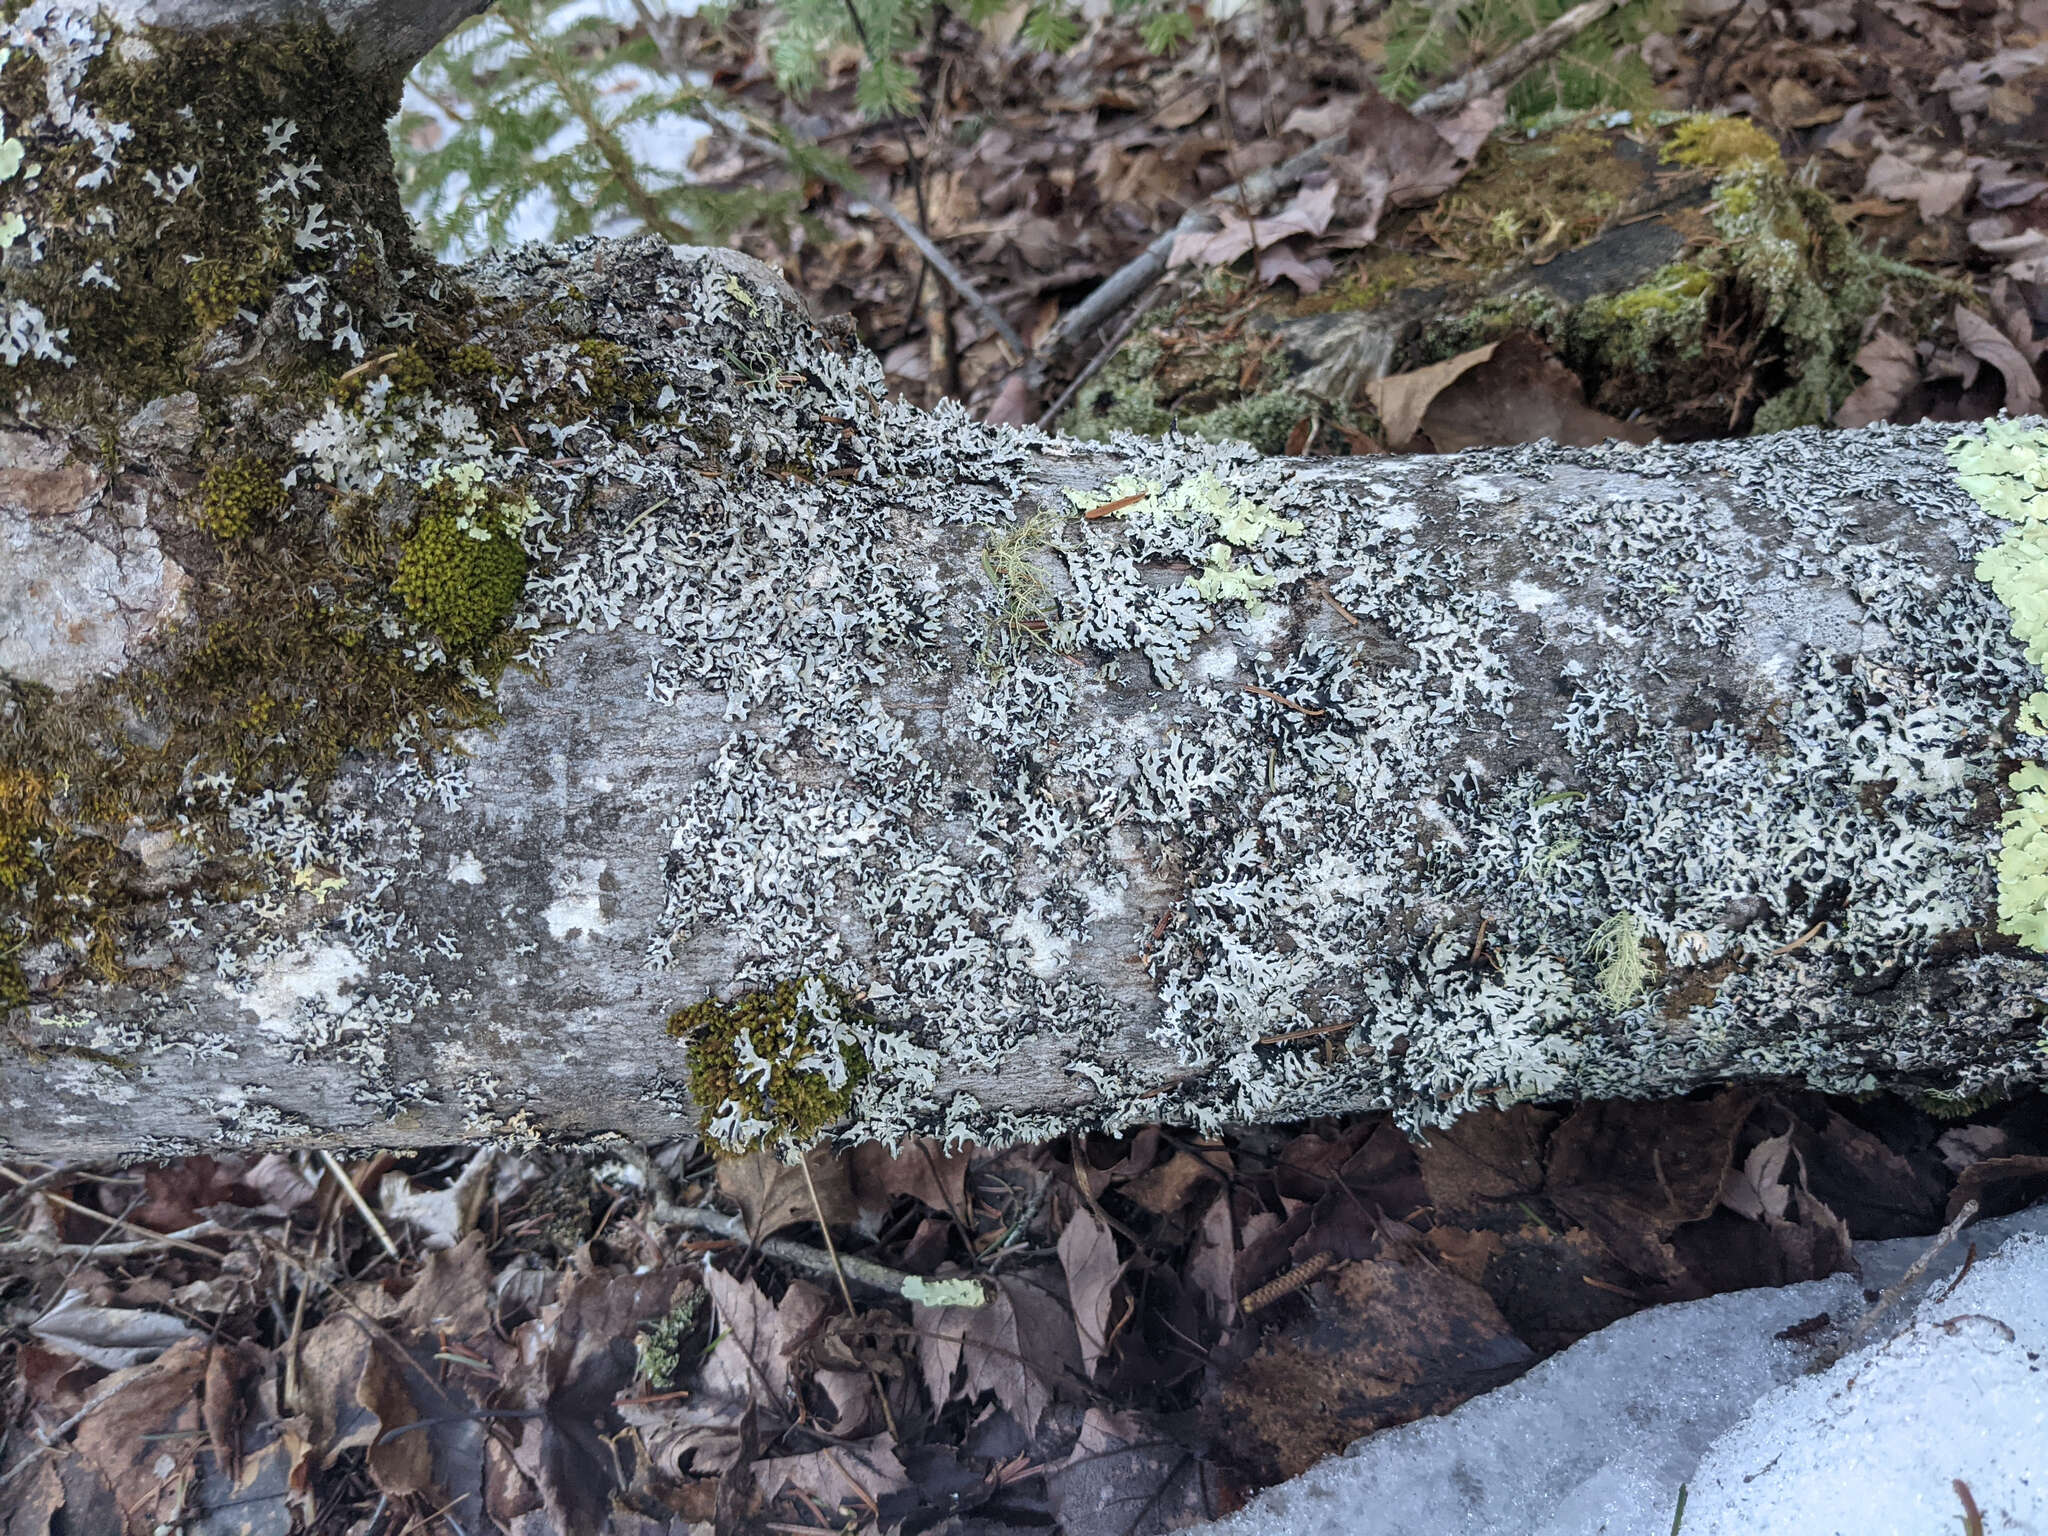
<point x="772" y="1194"/>
<point x="231" y="1370"/>
<point x="441" y="1215"/>
<point x="112" y="1338"/>
<point x="859" y="1474"/>
<point x="1891" y="368"/>
<point x="453" y="1293"/>
<point x="1087" y="1251"/>
<point x="1400" y="399"/>
<point x="920" y="1168"/>
<point x="400" y="1464"/>
<point x="1485" y="1160"/>
<point x="1017" y="1348"/>
<point x="1394" y="1339"/>
<point x="1307" y="214"/>
<point x="1937" y="193"/>
<point x="1989" y="344"/>
<point x="145" y="1434"/>
<point x="1171" y="1184"/>
<point x="1522" y="394"/>
<point x="1211" y="1263"/>
<point x="1757" y="1189"/>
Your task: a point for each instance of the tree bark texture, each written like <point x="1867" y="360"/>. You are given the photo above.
<point x="1102" y="785"/>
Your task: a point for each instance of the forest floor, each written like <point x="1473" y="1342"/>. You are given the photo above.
<point x="535" y="1339"/>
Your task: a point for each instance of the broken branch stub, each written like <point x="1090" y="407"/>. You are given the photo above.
<point x="1285" y="787"/>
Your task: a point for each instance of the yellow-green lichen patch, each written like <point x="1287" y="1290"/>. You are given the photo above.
<point x="238" y="496"/>
<point x="2005" y="470"/>
<point x="1665" y="316"/>
<point x="772" y="1067"/>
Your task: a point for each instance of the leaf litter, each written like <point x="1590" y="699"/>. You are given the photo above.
<point x="548" y="1351"/>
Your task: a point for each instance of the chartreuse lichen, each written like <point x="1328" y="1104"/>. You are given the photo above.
<point x="1203" y="504"/>
<point x="663" y="1359"/>
<point x="2005" y="470"/>
<point x="774" y="1067"/>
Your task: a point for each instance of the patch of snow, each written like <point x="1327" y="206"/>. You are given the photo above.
<point x="1599" y="1439"/>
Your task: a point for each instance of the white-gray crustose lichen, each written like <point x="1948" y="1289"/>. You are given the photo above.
<point x="1467" y="780"/>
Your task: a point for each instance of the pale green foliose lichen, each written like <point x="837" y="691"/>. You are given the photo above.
<point x="2005" y="470"/>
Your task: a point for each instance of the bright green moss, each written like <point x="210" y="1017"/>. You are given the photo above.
<point x="773" y="1066"/>
<point x="459" y="586"/>
<point x="237" y="496"/>
<point x="1665" y="316"/>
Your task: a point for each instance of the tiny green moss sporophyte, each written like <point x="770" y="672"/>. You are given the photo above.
<point x="2005" y="470"/>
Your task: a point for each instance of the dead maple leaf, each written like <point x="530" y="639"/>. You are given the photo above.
<point x="1401" y="399"/>
<point x="772" y="1194"/>
<point x="1017" y="1347"/>
<point x="1087" y="1251"/>
<point x="1891" y="367"/>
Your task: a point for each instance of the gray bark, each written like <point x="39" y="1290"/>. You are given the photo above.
<point x="1296" y="786"/>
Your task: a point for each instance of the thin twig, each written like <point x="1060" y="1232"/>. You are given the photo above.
<point x="1512" y="63"/>
<point x="856" y="186"/>
<point x="355" y="1196"/>
<point x="1141" y="271"/>
<point x="156" y="1239"/>
<point x="864" y="1272"/>
<point x="1267" y="693"/>
<point x="845" y="1295"/>
<point x="1904" y="1283"/>
<point x="1139" y="309"/>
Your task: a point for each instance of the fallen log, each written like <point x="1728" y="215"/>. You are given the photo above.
<point x="595" y="709"/>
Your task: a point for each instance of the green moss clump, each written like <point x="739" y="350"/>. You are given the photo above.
<point x="1711" y="143"/>
<point x="238" y="495"/>
<point x="471" y="360"/>
<point x="24" y="815"/>
<point x="216" y="290"/>
<point x="460" y="586"/>
<point x="767" y="1067"/>
<point x="13" y="984"/>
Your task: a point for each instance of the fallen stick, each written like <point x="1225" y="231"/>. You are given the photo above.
<point x="1512" y="63"/>
<point x="862" y="195"/>
<point x="1142" y="270"/>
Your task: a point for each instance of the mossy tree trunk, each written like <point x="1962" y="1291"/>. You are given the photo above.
<point x="429" y="693"/>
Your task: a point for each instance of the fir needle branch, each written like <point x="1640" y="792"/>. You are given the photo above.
<point x="602" y="139"/>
